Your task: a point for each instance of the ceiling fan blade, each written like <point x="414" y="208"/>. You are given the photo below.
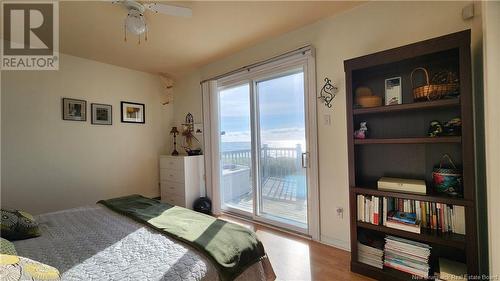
<point x="169" y="9"/>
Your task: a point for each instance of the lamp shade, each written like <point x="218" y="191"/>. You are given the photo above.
<point x="174" y="131"/>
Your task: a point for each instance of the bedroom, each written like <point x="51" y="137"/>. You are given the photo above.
<point x="49" y="164"/>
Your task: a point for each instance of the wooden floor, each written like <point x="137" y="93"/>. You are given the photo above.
<point x="295" y="259"/>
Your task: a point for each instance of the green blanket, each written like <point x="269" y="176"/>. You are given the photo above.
<point x="231" y="247"/>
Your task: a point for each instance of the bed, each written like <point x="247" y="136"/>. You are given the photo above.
<point x="95" y="243"/>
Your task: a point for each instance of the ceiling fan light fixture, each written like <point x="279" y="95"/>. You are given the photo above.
<point x="135" y="22"/>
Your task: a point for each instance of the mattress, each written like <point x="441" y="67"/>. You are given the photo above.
<point x="95" y="243"/>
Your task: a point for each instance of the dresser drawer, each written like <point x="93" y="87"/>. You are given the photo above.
<point x="173" y="199"/>
<point x="172" y="163"/>
<point x="172" y="175"/>
<point x="171" y="187"/>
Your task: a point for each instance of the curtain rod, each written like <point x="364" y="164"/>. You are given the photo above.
<point x="253" y="65"/>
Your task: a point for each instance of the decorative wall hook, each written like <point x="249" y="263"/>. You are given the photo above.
<point x="328" y="93"/>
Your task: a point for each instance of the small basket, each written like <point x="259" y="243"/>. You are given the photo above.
<point x="369" y="101"/>
<point x="447" y="180"/>
<point x="430" y="91"/>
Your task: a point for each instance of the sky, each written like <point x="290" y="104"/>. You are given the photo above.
<point x="281" y="111"/>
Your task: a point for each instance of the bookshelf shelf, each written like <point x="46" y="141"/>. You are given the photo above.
<point x="394" y="149"/>
<point x="429" y="198"/>
<point x="408" y="106"/>
<point x="422" y="140"/>
<point x="447" y="239"/>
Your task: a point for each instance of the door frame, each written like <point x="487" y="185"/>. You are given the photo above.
<point x="306" y="59"/>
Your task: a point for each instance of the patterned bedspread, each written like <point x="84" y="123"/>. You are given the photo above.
<point x="94" y="243"/>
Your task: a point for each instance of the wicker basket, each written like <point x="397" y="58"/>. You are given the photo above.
<point x="447" y="180"/>
<point x="431" y="91"/>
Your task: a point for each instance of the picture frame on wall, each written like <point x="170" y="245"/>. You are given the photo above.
<point x="393" y="91"/>
<point x="74" y="109"/>
<point x="101" y="114"/>
<point x="132" y="112"/>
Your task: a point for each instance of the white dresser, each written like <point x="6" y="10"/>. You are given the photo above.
<point x="181" y="179"/>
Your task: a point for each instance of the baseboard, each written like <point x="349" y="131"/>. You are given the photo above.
<point x="337" y="243"/>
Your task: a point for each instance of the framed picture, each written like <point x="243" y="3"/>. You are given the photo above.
<point x="132" y="112"/>
<point x="74" y="110"/>
<point x="393" y="91"/>
<point x="101" y="114"/>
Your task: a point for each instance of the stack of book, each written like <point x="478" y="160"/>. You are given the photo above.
<point x="403" y="221"/>
<point x="407" y="256"/>
<point x="370" y="255"/>
<point x="411" y="215"/>
<point x="369" y="209"/>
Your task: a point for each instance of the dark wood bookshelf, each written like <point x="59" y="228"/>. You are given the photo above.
<point x="454" y="102"/>
<point x="398" y="146"/>
<point x="438" y="198"/>
<point x="426" y="235"/>
<point x="418" y="140"/>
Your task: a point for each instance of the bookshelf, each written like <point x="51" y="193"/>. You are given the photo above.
<point x="398" y="145"/>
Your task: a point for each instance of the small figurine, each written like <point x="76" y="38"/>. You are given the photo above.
<point x="435" y="129"/>
<point x="362" y="133"/>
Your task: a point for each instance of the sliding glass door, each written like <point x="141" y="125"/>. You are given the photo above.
<point x="263" y="147"/>
<point x="282" y="147"/>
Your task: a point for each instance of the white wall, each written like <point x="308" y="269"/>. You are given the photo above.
<point x="491" y="23"/>
<point x="369" y="28"/>
<point x="50" y="164"/>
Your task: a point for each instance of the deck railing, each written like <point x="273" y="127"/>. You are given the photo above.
<point x="275" y="162"/>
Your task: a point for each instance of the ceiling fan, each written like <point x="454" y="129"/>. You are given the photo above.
<point x="135" y="22"/>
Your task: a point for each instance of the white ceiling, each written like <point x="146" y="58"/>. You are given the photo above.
<point x="94" y="30"/>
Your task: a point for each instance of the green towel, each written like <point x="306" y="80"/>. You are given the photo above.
<point x="231" y="247"/>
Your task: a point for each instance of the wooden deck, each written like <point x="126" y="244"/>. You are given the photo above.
<point x="280" y="189"/>
<point x="280" y="198"/>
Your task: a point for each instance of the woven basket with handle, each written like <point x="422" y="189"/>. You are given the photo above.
<point x="430" y="91"/>
<point x="447" y="179"/>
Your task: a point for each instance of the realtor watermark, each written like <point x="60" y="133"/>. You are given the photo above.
<point x="30" y="35"/>
<point x="459" y="277"/>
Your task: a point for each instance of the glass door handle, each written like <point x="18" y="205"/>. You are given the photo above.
<point x="305" y="159"/>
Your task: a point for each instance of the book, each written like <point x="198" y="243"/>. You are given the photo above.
<point x="415" y="228"/>
<point x="384" y="210"/>
<point x="423" y="214"/>
<point x="361" y="211"/>
<point x="376" y="208"/>
<point x="402" y="217"/>
<point x="459" y="212"/>
<point x="370" y="251"/>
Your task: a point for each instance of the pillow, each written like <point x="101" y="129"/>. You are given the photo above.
<point x="6" y="247"/>
<point x="14" y="268"/>
<point x="18" y="225"/>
